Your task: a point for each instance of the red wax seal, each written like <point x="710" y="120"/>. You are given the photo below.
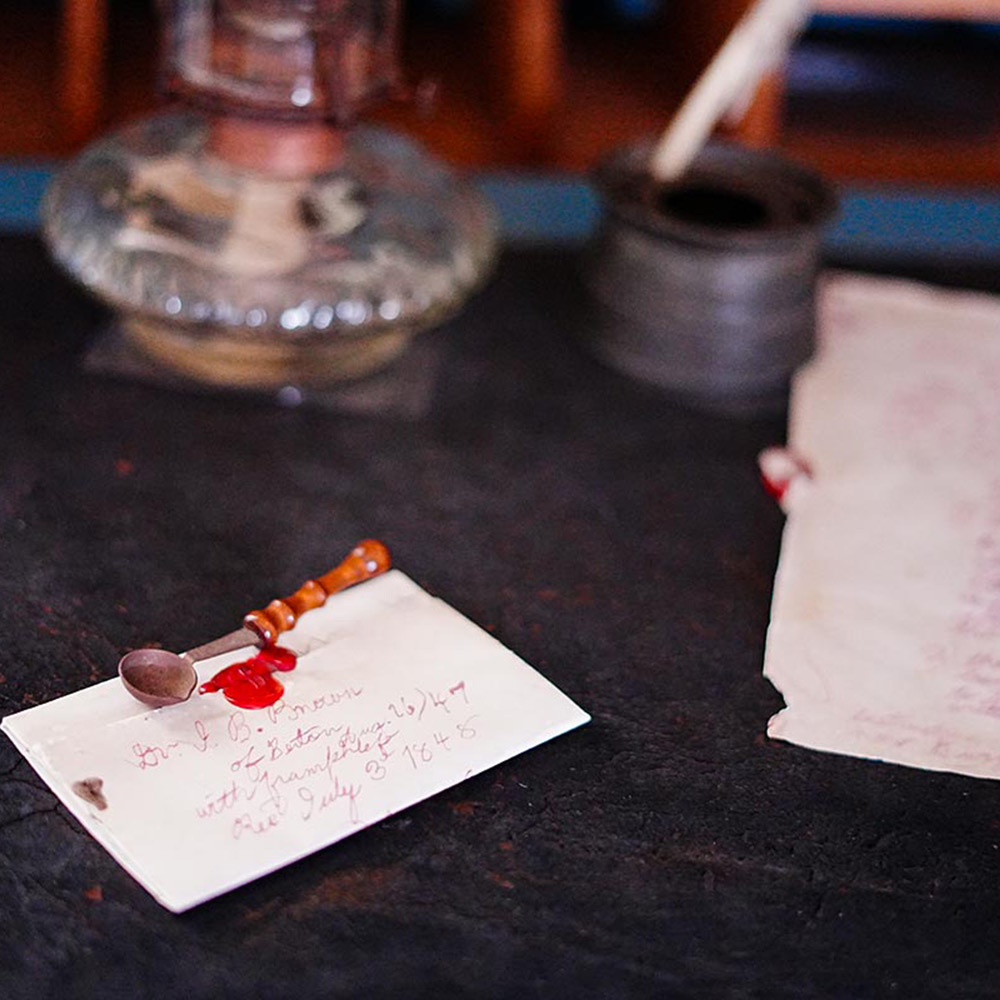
<point x="252" y="684"/>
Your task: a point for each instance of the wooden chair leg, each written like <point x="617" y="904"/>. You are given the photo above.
<point x="761" y="125"/>
<point x="80" y="79"/>
<point x="525" y="39"/>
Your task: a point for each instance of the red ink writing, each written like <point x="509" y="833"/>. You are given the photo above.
<point x="293" y="711"/>
<point x="312" y="802"/>
<point x="420" y="753"/>
<point x="151" y="755"/>
<point x="247" y="824"/>
<point x="406" y="707"/>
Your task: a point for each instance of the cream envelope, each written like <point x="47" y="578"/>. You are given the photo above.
<point x="395" y="697"/>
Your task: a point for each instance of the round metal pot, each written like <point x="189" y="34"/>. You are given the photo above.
<point x="706" y="287"/>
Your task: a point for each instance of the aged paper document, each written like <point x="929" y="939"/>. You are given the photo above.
<point x="885" y="628"/>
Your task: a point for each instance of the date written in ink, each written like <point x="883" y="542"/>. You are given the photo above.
<point x="424" y="752"/>
<point x="420" y="701"/>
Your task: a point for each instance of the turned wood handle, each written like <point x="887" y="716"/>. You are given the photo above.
<point x="367" y="559"/>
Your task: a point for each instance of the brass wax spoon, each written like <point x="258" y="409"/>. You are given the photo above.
<point x="157" y="677"/>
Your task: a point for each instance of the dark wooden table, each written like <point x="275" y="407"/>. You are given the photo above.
<point x="619" y="543"/>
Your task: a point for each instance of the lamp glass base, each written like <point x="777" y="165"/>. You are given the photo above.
<point x="236" y="276"/>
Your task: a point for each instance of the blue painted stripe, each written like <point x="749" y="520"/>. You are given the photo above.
<point x="535" y="208"/>
<point x="21" y="188"/>
<point x="878" y="221"/>
<point x="875" y="222"/>
<point x="882" y="221"/>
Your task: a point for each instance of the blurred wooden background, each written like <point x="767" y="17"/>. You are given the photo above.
<point x="554" y="83"/>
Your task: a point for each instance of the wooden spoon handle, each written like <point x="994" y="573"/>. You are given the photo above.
<point x="367" y="559"/>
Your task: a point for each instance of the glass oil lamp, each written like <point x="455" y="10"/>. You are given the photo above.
<point x="258" y="236"/>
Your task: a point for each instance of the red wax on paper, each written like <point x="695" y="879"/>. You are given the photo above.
<point x="252" y="684"/>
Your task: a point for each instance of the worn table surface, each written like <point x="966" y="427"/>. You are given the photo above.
<point x="619" y="543"/>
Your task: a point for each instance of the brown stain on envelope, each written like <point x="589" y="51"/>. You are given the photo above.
<point x="91" y="790"/>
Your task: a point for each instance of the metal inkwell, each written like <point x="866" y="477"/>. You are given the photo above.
<point x="706" y="286"/>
